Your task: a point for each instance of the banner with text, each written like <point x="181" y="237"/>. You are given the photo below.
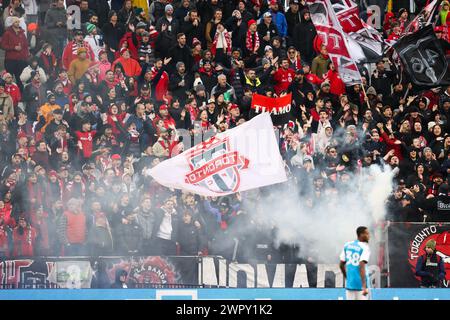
<point x="406" y="243"/>
<point x="279" y="108"/>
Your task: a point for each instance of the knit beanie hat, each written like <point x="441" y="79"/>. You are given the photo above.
<point x="168" y="7"/>
<point x="250" y="22"/>
<point x="431" y="244"/>
<point x="90" y="27"/>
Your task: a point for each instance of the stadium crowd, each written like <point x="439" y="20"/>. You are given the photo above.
<point x="86" y="111"/>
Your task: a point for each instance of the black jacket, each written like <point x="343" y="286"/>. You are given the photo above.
<point x="292" y="19"/>
<point x="191" y="239"/>
<point x="180" y="91"/>
<point x="303" y="37"/>
<point x="181" y="54"/>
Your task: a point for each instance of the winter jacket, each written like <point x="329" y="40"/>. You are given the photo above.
<point x="7" y="106"/>
<point x="292" y="19"/>
<point x="77" y="69"/>
<point x="430" y="269"/>
<point x="10" y="40"/>
<point x="71" y="53"/>
<point x="14" y="91"/>
<point x="191" y="239"/>
<point x="30" y="6"/>
<point x="25" y="76"/>
<point x="112" y="35"/>
<point x="52" y="17"/>
<point x="146" y="220"/>
<point x="181" y="54"/>
<point x="280" y="21"/>
<point x="130" y="66"/>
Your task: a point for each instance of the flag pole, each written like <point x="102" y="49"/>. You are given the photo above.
<point x="365" y="93"/>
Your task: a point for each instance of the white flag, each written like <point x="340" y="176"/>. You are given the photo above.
<point x="242" y="158"/>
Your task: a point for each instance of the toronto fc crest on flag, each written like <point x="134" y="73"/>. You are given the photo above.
<point x="215" y="166"/>
<point x="239" y="159"/>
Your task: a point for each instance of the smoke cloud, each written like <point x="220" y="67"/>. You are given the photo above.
<point x="320" y="227"/>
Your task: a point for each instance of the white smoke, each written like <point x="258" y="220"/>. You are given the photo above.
<point x="321" y="230"/>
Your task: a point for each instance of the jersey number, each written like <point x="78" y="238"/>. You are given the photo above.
<point x="353" y="259"/>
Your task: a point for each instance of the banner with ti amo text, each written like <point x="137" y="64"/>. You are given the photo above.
<point x="278" y="108"/>
<point x="330" y="32"/>
<point x="239" y="159"/>
<point x="423" y="58"/>
<point x="407" y="242"/>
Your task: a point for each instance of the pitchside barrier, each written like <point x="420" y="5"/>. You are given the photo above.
<point x="218" y="294"/>
<point x="405" y="243"/>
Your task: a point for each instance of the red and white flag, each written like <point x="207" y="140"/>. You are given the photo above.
<point x="330" y="32"/>
<point x="365" y="44"/>
<point x="239" y="159"/>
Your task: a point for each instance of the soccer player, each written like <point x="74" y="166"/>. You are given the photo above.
<point x="354" y="258"/>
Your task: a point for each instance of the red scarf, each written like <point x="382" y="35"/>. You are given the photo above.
<point x="227" y="40"/>
<point x="250" y="43"/>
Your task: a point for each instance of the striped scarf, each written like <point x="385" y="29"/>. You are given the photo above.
<point x="252" y="43"/>
<point x="226" y="42"/>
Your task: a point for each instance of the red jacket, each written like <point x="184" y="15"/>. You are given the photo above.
<point x="162" y="85"/>
<point x="283" y="79"/>
<point x="391" y="145"/>
<point x="14" y="92"/>
<point x="130" y="66"/>
<point x="76" y="227"/>
<point x="5" y="214"/>
<point x="10" y="40"/>
<point x="24" y="243"/>
<point x="133" y="48"/>
<point x="337" y="86"/>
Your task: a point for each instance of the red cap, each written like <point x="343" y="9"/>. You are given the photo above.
<point x="163" y="107"/>
<point x="250" y="22"/>
<point x="272" y="2"/>
<point x="122" y="51"/>
<point x="234" y="106"/>
<point x="439" y="29"/>
<point x="116" y="157"/>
